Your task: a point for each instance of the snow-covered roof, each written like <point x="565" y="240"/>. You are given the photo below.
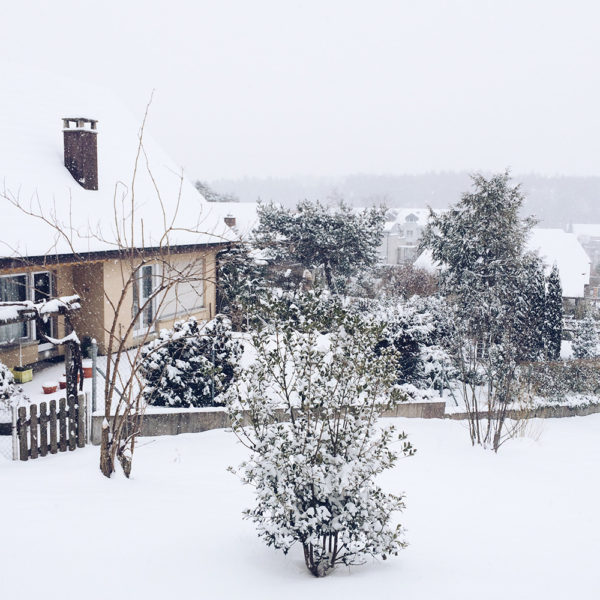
<point x="244" y="213"/>
<point x="32" y="106"/>
<point x="554" y="246"/>
<point x="564" y="249"/>
<point x="401" y="217"/>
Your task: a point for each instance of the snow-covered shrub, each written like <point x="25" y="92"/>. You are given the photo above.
<point x="240" y="282"/>
<point x="417" y="329"/>
<point x="7" y="386"/>
<point x="585" y="338"/>
<point x="189" y="365"/>
<point x="307" y="411"/>
<point x="559" y="379"/>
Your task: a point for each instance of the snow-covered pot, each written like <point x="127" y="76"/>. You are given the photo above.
<point x="49" y="387"/>
<point x="62" y="382"/>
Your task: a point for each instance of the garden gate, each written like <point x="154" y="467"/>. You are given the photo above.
<point x="49" y="428"/>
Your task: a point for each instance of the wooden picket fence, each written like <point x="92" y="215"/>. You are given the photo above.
<point x="52" y="430"/>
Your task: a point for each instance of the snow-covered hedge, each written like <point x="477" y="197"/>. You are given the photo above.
<point x="560" y="379"/>
<point x="189" y="365"/>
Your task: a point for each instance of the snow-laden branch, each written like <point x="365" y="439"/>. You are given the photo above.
<point x="19" y="312"/>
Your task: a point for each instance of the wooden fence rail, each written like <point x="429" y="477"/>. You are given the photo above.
<point x="52" y="430"/>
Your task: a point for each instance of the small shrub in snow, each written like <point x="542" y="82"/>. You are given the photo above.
<point x="7" y="386"/>
<point x="307" y="410"/>
<point x="585" y="338"/>
<point x="189" y="365"/>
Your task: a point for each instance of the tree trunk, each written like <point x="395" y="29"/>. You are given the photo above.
<point x="106" y="463"/>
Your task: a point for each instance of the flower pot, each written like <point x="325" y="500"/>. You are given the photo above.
<point x="22" y="374"/>
<point x="49" y="387"/>
<point x="62" y="383"/>
<point x="87" y="369"/>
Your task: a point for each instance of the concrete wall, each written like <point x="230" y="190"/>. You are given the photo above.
<point x="183" y="421"/>
<point x="545" y="412"/>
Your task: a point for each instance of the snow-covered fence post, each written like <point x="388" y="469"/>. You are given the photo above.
<point x="15" y="441"/>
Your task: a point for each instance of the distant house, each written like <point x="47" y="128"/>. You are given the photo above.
<point x="401" y="236"/>
<point x="588" y="235"/>
<point x="554" y="246"/>
<point x="78" y="172"/>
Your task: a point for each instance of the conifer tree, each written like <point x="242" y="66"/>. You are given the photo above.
<point x="532" y="309"/>
<point x="553" y="315"/>
<point x="585" y="342"/>
<point x="340" y="241"/>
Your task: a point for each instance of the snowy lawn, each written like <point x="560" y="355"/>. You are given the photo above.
<point x="521" y="524"/>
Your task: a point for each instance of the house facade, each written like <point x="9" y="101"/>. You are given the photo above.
<point x="402" y="234"/>
<point x="82" y="207"/>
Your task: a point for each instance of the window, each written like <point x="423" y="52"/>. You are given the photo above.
<point x="187" y="296"/>
<point x="13" y="288"/>
<point x="18" y="288"/>
<point x="143" y="289"/>
<point x="42" y="289"/>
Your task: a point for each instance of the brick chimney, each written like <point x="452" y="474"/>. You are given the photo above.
<point x="81" y="150"/>
<point x="230" y="220"/>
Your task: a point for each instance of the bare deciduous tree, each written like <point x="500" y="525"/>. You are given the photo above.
<point x="159" y="265"/>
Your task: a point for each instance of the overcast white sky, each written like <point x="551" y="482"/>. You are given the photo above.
<point x="332" y="87"/>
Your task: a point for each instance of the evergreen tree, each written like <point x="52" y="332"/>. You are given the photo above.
<point x="480" y="244"/>
<point x="342" y="242"/>
<point x="585" y="341"/>
<point x="485" y="273"/>
<point x="532" y="304"/>
<point x="553" y="315"/>
<point x="241" y="282"/>
<point x="211" y="195"/>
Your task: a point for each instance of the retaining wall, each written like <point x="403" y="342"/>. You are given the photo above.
<point x="543" y="412"/>
<point x="185" y="421"/>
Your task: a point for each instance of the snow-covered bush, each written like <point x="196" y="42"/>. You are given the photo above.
<point x="7" y="386"/>
<point x="559" y="379"/>
<point x="307" y="410"/>
<point x="240" y="282"/>
<point x="585" y="338"/>
<point x="189" y="365"/>
<point x="418" y="330"/>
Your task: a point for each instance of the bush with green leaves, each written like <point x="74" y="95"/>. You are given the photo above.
<point x="190" y="365"/>
<point x="307" y="410"/>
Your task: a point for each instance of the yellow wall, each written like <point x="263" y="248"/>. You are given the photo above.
<point x="100" y="285"/>
<point x="116" y="275"/>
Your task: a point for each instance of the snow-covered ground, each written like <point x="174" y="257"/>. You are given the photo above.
<point x="520" y="524"/>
